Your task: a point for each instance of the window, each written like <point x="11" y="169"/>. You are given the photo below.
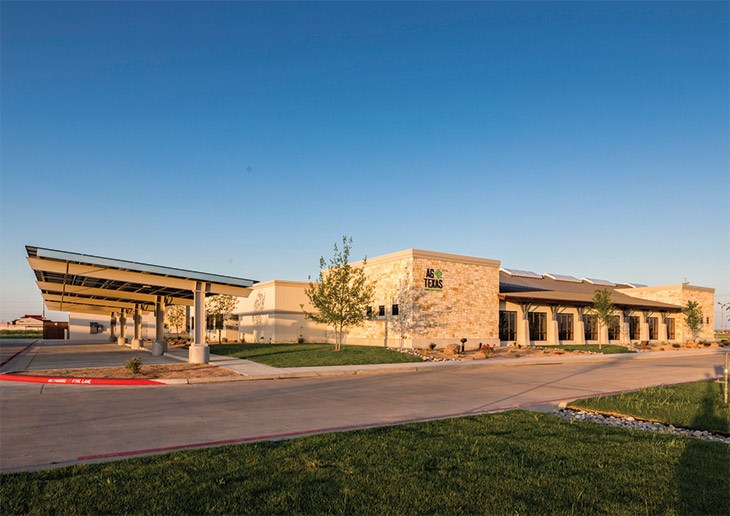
<point x="565" y="326"/>
<point x="708" y="320"/>
<point x="381" y="311"/>
<point x="653" y="327"/>
<point x="614" y="328"/>
<point x="394" y="310"/>
<point x="538" y="325"/>
<point x="507" y="325"/>
<point x="670" y="329"/>
<point x="369" y="311"/>
<point x="634" y="328"/>
<point x="590" y="323"/>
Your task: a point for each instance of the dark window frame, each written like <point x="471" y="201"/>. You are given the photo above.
<point x="590" y="327"/>
<point x="507" y="325"/>
<point x="394" y="310"/>
<point x="634" y="327"/>
<point x="671" y="328"/>
<point x="566" y="326"/>
<point x="653" y="323"/>
<point x="381" y="311"/>
<point x="538" y="326"/>
<point x="614" y="328"/>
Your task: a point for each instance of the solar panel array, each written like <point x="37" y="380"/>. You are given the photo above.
<point x="600" y="282"/>
<point x="636" y="285"/>
<point x="563" y="277"/>
<point x="522" y="274"/>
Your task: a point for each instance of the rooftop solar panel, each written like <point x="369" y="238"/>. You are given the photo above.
<point x="522" y="274"/>
<point x="563" y="277"/>
<point x="596" y="281"/>
<point x="636" y="285"/>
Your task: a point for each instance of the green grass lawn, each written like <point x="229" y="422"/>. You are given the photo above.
<point x="695" y="405"/>
<point x="9" y="334"/>
<point x="301" y="355"/>
<point x="513" y="462"/>
<point x="607" y="349"/>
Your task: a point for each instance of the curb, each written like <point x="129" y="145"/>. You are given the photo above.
<point x="78" y="381"/>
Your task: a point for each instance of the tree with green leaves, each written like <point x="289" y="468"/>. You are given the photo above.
<point x="693" y="317"/>
<point x="218" y="308"/>
<point x="175" y="317"/>
<point x="342" y="294"/>
<point x="603" y="308"/>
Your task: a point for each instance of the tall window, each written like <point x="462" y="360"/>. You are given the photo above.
<point x="381" y="311"/>
<point x="634" y="329"/>
<point x="394" y="310"/>
<point x="671" y="335"/>
<point x="590" y="324"/>
<point x="507" y="325"/>
<point x="565" y="326"/>
<point x="614" y="328"/>
<point x="653" y="327"/>
<point x="538" y="325"/>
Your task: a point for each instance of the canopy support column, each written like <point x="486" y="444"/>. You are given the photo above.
<point x="579" y="330"/>
<point x="552" y="329"/>
<point x="122" y="340"/>
<point x="160" y="345"/>
<point x="112" y="327"/>
<point x="137" y="341"/>
<point x="199" y="353"/>
<point x="523" y="325"/>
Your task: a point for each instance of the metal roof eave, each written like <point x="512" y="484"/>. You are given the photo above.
<point x="127" y="265"/>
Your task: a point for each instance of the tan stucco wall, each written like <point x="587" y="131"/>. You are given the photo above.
<point x="679" y="295"/>
<point x="273" y="313"/>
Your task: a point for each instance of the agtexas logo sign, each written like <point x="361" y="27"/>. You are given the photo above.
<point x="433" y="280"/>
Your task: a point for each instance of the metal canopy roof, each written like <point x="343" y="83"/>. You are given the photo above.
<point x="94" y="284"/>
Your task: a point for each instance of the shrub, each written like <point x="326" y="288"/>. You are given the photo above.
<point x="224" y="339"/>
<point x="452" y="349"/>
<point x="300" y="340"/>
<point x="432" y="346"/>
<point x="676" y="345"/>
<point x="487" y="349"/>
<point x="134" y="364"/>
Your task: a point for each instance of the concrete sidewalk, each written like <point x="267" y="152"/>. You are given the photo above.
<point x="44" y="355"/>
<point x="254" y="371"/>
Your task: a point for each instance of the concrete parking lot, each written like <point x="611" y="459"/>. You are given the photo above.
<point x="44" y="425"/>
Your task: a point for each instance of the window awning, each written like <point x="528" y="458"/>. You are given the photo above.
<point x="76" y="282"/>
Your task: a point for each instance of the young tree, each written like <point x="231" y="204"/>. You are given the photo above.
<point x="603" y="309"/>
<point x="693" y="317"/>
<point x="342" y="294"/>
<point x="217" y="308"/>
<point x="175" y="317"/>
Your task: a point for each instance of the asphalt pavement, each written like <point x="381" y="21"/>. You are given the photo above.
<point x="46" y="425"/>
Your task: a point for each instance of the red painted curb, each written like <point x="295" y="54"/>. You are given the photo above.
<point x="75" y="381"/>
<point x="15" y="355"/>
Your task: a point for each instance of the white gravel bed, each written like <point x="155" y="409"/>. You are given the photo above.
<point x="636" y="424"/>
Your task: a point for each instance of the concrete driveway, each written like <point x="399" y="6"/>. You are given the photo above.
<point x="43" y="425"/>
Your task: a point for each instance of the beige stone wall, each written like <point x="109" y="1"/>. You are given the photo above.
<point x="467" y="305"/>
<point x="679" y="295"/>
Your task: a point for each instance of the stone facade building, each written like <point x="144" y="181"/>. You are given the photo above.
<point x="423" y="297"/>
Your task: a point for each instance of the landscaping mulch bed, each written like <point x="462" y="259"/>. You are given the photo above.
<point x="147" y="372"/>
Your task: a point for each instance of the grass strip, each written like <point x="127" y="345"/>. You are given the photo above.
<point x="696" y="405"/>
<point x="303" y="355"/>
<point x="513" y="462"/>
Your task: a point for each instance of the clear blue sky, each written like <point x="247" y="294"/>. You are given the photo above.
<point x="245" y="138"/>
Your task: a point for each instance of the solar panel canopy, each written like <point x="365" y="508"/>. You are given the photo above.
<point x="77" y="282"/>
